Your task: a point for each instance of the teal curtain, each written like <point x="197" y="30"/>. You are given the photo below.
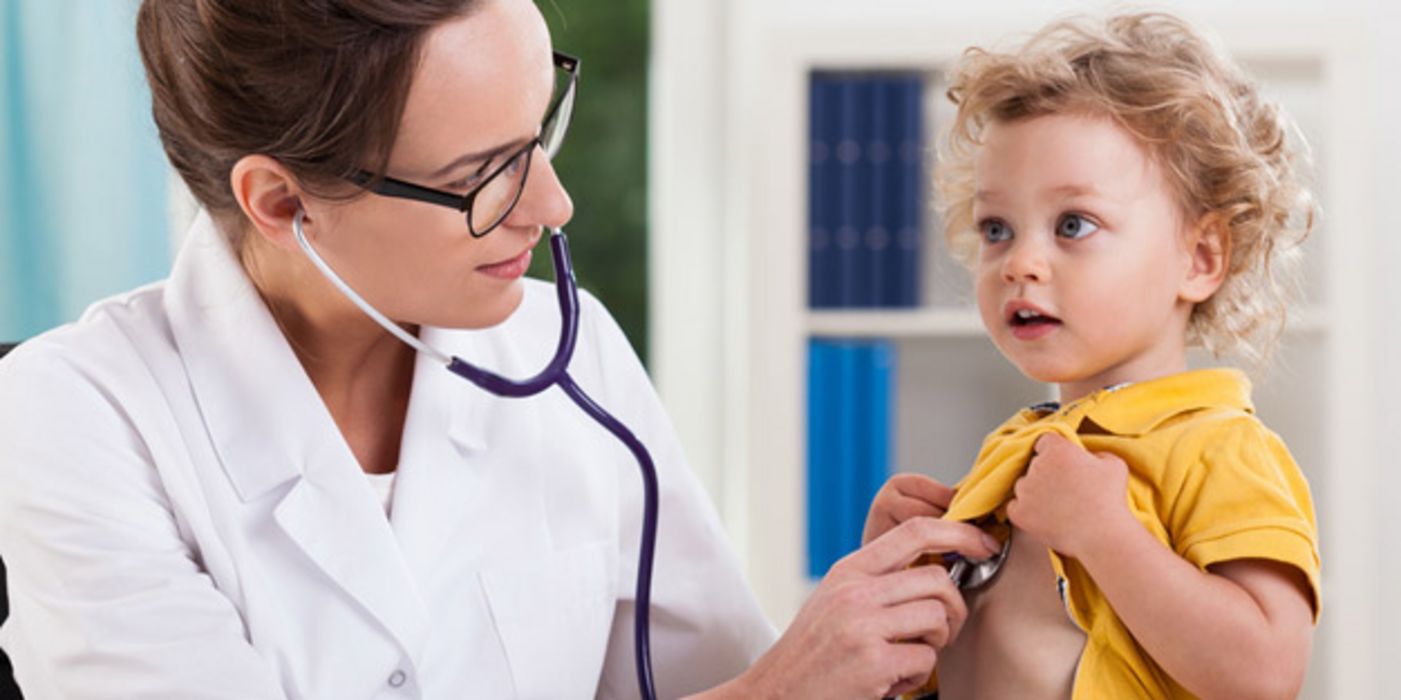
<point x="82" y="177"/>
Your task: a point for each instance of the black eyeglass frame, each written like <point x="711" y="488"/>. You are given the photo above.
<point x="393" y="187"/>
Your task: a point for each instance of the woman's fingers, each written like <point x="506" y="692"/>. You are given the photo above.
<point x="915" y="662"/>
<point x="927" y="620"/>
<point x="900" y="546"/>
<point x="917" y="590"/>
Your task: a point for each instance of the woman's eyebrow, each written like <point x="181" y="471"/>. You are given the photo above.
<point x="474" y="157"/>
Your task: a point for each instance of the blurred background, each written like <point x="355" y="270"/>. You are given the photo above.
<point x="702" y="143"/>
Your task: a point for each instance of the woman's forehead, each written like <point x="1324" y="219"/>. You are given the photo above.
<point x="483" y="80"/>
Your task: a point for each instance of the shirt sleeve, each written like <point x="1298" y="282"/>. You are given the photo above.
<point x="107" y="599"/>
<point x="1243" y="497"/>
<point x="706" y="624"/>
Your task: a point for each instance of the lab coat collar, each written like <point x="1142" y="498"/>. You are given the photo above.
<point x="240" y="364"/>
<point x="270" y="428"/>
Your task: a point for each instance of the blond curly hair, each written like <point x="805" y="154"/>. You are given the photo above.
<point x="1226" y="151"/>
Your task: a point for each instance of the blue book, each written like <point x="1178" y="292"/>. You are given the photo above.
<point x="849" y="436"/>
<point x="875" y="401"/>
<point x="821" y="471"/>
<point x="822" y="119"/>
<point x="878" y="183"/>
<point x="908" y="225"/>
<point x="850" y="196"/>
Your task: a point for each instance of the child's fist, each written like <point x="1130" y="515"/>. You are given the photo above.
<point x="1069" y="494"/>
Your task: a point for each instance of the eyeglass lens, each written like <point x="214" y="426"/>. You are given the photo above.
<point x="499" y="195"/>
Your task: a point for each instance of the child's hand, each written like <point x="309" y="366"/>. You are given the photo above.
<point x="1068" y="495"/>
<point x="903" y="497"/>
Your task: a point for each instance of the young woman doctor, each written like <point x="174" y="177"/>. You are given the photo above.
<point x="232" y="484"/>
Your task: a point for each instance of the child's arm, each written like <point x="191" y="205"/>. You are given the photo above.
<point x="1243" y="629"/>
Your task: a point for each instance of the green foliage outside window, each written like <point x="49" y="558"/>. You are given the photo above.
<point x="604" y="160"/>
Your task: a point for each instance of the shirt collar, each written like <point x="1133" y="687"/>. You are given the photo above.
<point x="1138" y="408"/>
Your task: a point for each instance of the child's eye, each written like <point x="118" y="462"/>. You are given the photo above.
<point x="1075" y="226"/>
<point x="994" y="231"/>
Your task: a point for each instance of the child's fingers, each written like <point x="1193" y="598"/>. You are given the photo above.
<point x="1051" y="443"/>
<point x="922" y="488"/>
<point x="893" y="505"/>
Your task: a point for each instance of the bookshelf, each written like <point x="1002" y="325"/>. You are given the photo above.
<point x="736" y="381"/>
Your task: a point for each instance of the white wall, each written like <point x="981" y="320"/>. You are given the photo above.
<point x="1386" y="192"/>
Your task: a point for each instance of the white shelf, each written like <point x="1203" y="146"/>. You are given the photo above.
<point x="932" y="323"/>
<point x="887" y="323"/>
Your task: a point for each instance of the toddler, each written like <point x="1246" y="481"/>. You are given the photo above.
<point x="1121" y="192"/>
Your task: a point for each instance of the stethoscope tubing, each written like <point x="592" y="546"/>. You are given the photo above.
<point x="556" y="373"/>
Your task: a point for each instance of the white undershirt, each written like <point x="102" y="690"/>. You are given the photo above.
<point x="383" y="485"/>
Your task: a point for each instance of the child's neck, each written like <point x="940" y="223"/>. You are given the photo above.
<point x="1074" y="391"/>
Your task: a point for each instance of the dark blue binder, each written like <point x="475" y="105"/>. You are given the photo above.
<point x="903" y="289"/>
<point x="866" y="190"/>
<point x="822" y="120"/>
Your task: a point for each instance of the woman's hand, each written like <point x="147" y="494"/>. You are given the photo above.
<point x="873" y="628"/>
<point x="903" y="497"/>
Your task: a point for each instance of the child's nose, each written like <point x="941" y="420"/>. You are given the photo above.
<point x="1026" y="261"/>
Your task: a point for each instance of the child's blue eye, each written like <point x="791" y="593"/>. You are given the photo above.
<point x="994" y="231"/>
<point x="1075" y="226"/>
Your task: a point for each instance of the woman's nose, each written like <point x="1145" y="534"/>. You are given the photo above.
<point x="544" y="201"/>
<point x="1026" y="261"/>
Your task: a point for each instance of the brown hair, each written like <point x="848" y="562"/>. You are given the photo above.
<point x="319" y="85"/>
<point x="1224" y="149"/>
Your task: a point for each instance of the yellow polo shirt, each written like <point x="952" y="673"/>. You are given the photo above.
<point x="1206" y="477"/>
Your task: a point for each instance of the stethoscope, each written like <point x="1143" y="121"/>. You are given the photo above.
<point x="556" y="373"/>
<point x="973" y="574"/>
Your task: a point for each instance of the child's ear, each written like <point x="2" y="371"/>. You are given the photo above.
<point x="1209" y="256"/>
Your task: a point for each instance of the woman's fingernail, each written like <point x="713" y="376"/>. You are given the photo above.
<point x="991" y="542"/>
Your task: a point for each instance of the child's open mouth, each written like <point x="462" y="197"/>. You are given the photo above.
<point x="1030" y="324"/>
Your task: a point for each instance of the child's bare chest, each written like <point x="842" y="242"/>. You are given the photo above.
<point x="1018" y="641"/>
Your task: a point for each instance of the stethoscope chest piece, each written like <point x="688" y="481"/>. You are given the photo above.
<point x="972" y="574"/>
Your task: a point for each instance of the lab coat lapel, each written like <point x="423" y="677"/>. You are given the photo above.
<point x="449" y="482"/>
<point x="270" y="429"/>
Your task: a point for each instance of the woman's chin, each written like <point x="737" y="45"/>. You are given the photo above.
<point x="485" y="313"/>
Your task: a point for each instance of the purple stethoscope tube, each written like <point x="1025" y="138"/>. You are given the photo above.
<point x="555" y="373"/>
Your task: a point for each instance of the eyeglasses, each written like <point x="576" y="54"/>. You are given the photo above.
<point x="495" y="193"/>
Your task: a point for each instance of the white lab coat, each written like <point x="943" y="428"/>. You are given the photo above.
<point x="182" y="519"/>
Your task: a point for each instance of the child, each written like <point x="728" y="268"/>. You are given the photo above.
<point x="1121" y="192"/>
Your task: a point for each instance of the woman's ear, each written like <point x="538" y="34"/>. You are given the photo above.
<point x="269" y="196"/>
<point x="1209" y="258"/>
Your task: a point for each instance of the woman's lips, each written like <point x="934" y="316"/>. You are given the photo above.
<point x="509" y="270"/>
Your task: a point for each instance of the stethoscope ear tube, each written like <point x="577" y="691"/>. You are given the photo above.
<point x="568" y="295"/>
<point x="555" y="373"/>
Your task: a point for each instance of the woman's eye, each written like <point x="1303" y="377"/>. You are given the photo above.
<point x="1075" y="226"/>
<point x="994" y="231"/>
<point x="472" y="180"/>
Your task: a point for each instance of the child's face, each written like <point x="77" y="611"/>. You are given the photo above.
<point x="1083" y="261"/>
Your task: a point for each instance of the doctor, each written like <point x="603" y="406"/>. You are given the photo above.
<point x="232" y="484"/>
